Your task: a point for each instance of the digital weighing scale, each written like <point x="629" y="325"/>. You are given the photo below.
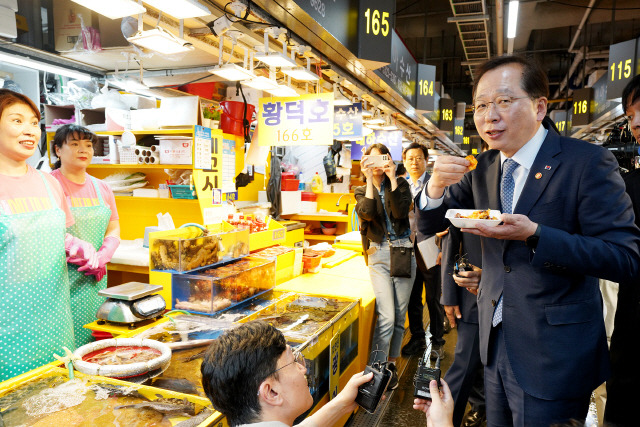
<point x="131" y="303"/>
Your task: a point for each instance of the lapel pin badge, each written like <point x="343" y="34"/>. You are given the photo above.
<point x="538" y="175"/>
<point x="547" y="167"/>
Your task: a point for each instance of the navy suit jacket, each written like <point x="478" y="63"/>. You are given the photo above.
<point x="454" y="244"/>
<point x="552" y="308"/>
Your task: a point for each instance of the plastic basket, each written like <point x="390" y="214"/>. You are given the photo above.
<point x="183" y="192"/>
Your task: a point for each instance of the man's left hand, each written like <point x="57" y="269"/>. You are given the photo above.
<point x="513" y="227"/>
<point x="347" y="397"/>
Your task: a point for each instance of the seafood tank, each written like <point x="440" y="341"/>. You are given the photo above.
<point x="300" y="317"/>
<point x="187" y="254"/>
<point x="208" y="291"/>
<point x="54" y="400"/>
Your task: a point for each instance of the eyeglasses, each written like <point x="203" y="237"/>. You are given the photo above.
<point x="297" y="358"/>
<point x="414" y="159"/>
<point x="502" y="103"/>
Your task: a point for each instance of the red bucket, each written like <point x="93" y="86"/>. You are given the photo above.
<point x="231" y="118"/>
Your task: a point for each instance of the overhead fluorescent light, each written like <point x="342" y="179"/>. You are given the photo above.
<point x="300" y="73"/>
<point x="261" y="83"/>
<point x="366" y="114"/>
<point x="43" y="66"/>
<point x="275" y="59"/>
<point x="513" y="19"/>
<point x="113" y="9"/>
<point x="366" y="131"/>
<point x="283" y="91"/>
<point x="390" y="127"/>
<point x="161" y="41"/>
<point x="232" y="72"/>
<point x="180" y="9"/>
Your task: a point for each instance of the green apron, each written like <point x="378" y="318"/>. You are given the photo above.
<point x="90" y="226"/>
<point x="35" y="315"/>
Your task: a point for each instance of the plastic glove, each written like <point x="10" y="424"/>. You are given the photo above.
<point x="80" y="252"/>
<point x="106" y="251"/>
<point x="99" y="272"/>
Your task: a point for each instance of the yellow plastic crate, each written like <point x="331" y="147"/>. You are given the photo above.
<point x="273" y="235"/>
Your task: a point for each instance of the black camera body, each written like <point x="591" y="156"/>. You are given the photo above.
<point x="370" y="393"/>
<point x="462" y="264"/>
<point x="424" y="375"/>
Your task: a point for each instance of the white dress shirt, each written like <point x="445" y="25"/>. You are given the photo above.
<point x="415" y="189"/>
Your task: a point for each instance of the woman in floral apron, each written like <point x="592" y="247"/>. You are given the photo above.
<point x="96" y="221"/>
<point x="35" y="312"/>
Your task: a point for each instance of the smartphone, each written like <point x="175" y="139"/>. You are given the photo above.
<point x="378" y="161"/>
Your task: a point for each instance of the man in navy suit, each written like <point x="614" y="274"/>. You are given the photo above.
<point x="465" y="375"/>
<point x="566" y="220"/>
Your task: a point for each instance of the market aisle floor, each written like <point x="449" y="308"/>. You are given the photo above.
<point x="397" y="408"/>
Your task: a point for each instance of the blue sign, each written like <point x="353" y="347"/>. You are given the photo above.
<point x="347" y="122"/>
<point x="391" y="138"/>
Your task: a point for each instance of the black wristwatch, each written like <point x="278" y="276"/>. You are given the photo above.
<point x="532" y="241"/>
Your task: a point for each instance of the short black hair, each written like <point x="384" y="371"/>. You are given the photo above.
<point x="534" y="81"/>
<point x="236" y="364"/>
<point x="63" y="133"/>
<point x="631" y="93"/>
<point x="417" y="145"/>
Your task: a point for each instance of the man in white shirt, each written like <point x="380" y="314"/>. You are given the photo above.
<point x="255" y="379"/>
<point x="415" y="158"/>
<point x="566" y="220"/>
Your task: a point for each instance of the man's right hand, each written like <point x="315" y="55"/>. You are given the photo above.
<point x="453" y="313"/>
<point x="447" y="170"/>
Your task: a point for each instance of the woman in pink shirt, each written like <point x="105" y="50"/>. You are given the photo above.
<point x="96" y="221"/>
<point x="35" y="312"/>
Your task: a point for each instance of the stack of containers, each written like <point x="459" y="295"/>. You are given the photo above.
<point x="289" y="182"/>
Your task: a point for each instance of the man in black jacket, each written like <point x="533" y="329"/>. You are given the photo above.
<point x="622" y="386"/>
<point x="415" y="158"/>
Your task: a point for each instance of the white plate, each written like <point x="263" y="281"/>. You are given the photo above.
<point x="471" y="223"/>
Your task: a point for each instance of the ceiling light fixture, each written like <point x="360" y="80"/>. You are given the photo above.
<point x="283" y="91"/>
<point x="42" y="66"/>
<point x="275" y="59"/>
<point x="180" y="9"/>
<point x="513" y="19"/>
<point x="160" y="40"/>
<point x="339" y="98"/>
<point x="301" y="73"/>
<point x="376" y="119"/>
<point x="232" y="72"/>
<point x="113" y="9"/>
<point x="261" y="83"/>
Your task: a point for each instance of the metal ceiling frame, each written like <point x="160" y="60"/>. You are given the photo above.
<point x="472" y="20"/>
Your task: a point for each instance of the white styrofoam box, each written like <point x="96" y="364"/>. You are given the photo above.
<point x="10" y="4"/>
<point x="308" y="207"/>
<point x="291" y="202"/>
<point x="176" y="151"/>
<point x="148" y="118"/>
<point x="146" y="192"/>
<point x="117" y="119"/>
<point x="137" y="102"/>
<point x="179" y="111"/>
<point x="8" y="26"/>
<point x="252" y="95"/>
<point x="262" y="196"/>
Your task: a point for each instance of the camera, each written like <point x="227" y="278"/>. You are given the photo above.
<point x="425" y="374"/>
<point x="370" y="393"/>
<point x="378" y="161"/>
<point x="462" y="264"/>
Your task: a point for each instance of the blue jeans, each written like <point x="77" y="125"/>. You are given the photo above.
<point x="392" y="299"/>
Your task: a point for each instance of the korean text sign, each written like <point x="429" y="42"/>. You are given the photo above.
<point x="347" y="122"/>
<point x="302" y="120"/>
<point x="391" y="138"/>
